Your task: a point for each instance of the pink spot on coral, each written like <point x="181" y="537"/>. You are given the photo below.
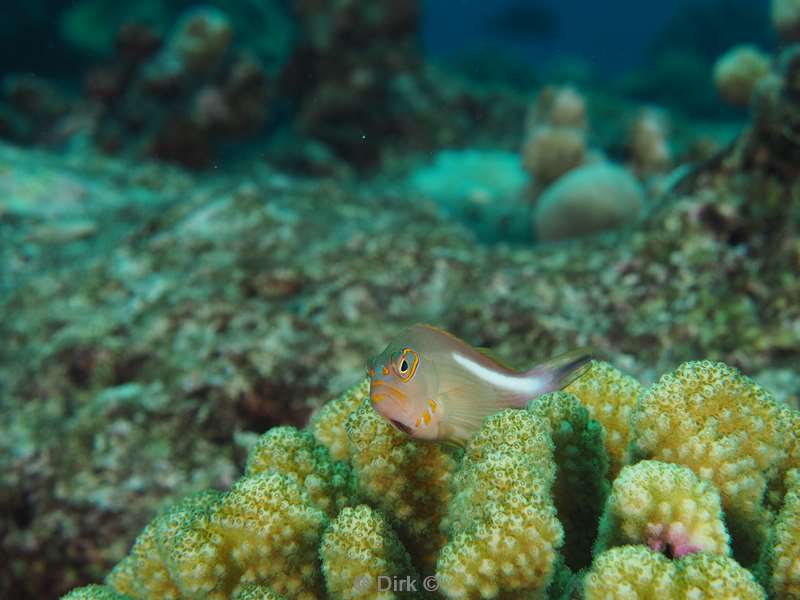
<point x="674" y="541"/>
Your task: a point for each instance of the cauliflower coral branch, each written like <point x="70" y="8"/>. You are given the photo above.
<point x="636" y="572"/>
<point x="666" y="507"/>
<point x="580" y="487"/>
<point x="408" y="480"/>
<point x="610" y="397"/>
<point x="784" y="555"/>
<point x="728" y="430"/>
<point x="504" y="533"/>
<point x="360" y="552"/>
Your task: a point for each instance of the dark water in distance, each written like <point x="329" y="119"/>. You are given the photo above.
<point x="609" y="36"/>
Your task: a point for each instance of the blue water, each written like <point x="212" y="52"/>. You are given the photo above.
<point x="612" y="36"/>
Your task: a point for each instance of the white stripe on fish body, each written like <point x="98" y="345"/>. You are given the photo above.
<point x="516" y="384"/>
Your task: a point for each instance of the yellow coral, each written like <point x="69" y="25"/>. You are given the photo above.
<point x="580" y="487"/>
<point x="512" y="432"/>
<point x="791" y="417"/>
<point x="95" y="592"/>
<point x="295" y="453"/>
<point x="488" y="520"/>
<point x="408" y="480"/>
<point x="264" y="531"/>
<point x="777" y="489"/>
<point x="124" y="576"/>
<point x="328" y="423"/>
<point x="785" y="553"/>
<point x="631" y="573"/>
<point x="728" y="430"/>
<point x="610" y="396"/>
<point x="504" y="530"/>
<point x="253" y="591"/>
<point x="636" y="573"/>
<point x="272" y="532"/>
<point x="361" y="554"/>
<point x="667" y="507"/>
<point x="197" y="560"/>
<point x="145" y="572"/>
<point x="704" y="575"/>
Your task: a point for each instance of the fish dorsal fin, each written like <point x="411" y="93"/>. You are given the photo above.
<point x="442" y="332"/>
<point x="488" y="353"/>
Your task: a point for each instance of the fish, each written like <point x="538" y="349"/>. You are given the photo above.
<point x="431" y="385"/>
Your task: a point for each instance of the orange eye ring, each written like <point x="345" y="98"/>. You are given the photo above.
<point x="411" y="360"/>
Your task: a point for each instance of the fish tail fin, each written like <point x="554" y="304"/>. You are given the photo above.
<point x="559" y="372"/>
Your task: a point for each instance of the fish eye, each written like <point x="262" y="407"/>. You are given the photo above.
<point x="407" y="364"/>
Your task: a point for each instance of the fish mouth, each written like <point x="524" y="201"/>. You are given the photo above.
<point x="400" y="427"/>
<point x="379" y="388"/>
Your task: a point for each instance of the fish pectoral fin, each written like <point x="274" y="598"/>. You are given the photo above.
<point x="452" y="443"/>
<point x="465" y="413"/>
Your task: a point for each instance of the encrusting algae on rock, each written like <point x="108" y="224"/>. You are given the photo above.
<point x="350" y="503"/>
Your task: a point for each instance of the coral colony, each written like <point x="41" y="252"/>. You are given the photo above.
<point x="699" y="499"/>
